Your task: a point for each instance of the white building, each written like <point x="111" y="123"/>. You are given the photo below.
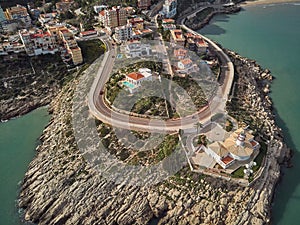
<point x="123" y="33"/>
<point x="137" y="49"/>
<point x="38" y="42"/>
<point x="135" y="79"/>
<point x="238" y="147"/>
<point x="99" y="8"/>
<point x="47" y="17"/>
<point x="186" y="66"/>
<point x="169" y="8"/>
<point x="11" y="47"/>
<point x="88" y="34"/>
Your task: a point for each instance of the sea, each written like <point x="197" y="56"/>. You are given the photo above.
<point x="18" y="140"/>
<point x="269" y="34"/>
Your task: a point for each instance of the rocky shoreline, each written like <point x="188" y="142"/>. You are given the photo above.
<point x="28" y="83"/>
<point x="194" y="24"/>
<point x="61" y="188"/>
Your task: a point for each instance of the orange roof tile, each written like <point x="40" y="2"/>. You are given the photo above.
<point x="227" y="160"/>
<point x="102" y="13"/>
<point x="135" y="76"/>
<point x="168" y="21"/>
<point x="180" y="52"/>
<point x="186" y="61"/>
<point x="189" y="35"/>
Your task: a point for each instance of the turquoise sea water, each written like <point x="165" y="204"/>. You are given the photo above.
<point x="268" y="34"/>
<point x="271" y="35"/>
<point x="18" y="139"/>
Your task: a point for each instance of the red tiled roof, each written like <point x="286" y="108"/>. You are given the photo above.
<point x="102" y="13"/>
<point x="64" y="30"/>
<point x="88" y="32"/>
<point x="201" y="43"/>
<point x="189" y="35"/>
<point x="253" y="143"/>
<point x="136" y="20"/>
<point x="135" y="76"/>
<point x="168" y="21"/>
<point x="47" y="34"/>
<point x="137" y="32"/>
<point x="186" y="61"/>
<point x="146" y="31"/>
<point x="198" y="37"/>
<point x="227" y="160"/>
<point x="180" y="52"/>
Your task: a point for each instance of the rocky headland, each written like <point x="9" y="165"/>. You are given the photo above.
<point x="27" y="83"/>
<point x="60" y="187"/>
<point x="203" y="17"/>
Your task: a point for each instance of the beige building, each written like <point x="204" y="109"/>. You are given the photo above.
<point x="18" y="13"/>
<point x="201" y="46"/>
<point x="177" y="37"/>
<point x="76" y="55"/>
<point x="73" y="52"/>
<point x="239" y="146"/>
<point x="15" y="12"/>
<point x="114" y="17"/>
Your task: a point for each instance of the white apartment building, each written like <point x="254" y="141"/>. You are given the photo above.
<point x="169" y="8"/>
<point x="137" y="49"/>
<point x="38" y="42"/>
<point x="123" y="33"/>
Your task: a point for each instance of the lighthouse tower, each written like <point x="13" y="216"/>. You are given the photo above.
<point x="240" y="141"/>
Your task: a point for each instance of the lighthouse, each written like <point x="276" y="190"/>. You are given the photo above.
<point x="240" y="141"/>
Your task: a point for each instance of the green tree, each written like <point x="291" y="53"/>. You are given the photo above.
<point x="202" y="140"/>
<point x="198" y="125"/>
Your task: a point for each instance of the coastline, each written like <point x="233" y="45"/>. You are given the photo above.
<point x="168" y="201"/>
<point x="266" y="2"/>
<point x="155" y="203"/>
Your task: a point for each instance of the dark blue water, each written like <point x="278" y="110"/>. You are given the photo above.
<point x="271" y="35"/>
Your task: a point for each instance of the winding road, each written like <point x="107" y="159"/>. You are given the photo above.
<point x="103" y="112"/>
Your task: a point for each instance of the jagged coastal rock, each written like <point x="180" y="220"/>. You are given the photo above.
<point x="61" y="188"/>
<point x="28" y="83"/>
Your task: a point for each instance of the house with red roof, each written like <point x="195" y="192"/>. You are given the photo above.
<point x="201" y="46"/>
<point x="177" y="37"/>
<point x="134" y="80"/>
<point x="180" y="53"/>
<point x="88" y="34"/>
<point x="186" y="66"/>
<point x="168" y="24"/>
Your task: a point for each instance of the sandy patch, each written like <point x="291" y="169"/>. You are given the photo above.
<point x="267" y="2"/>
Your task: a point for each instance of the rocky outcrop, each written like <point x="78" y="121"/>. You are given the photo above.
<point x="27" y="83"/>
<point x="60" y="187"/>
<point x="14" y="107"/>
<point x="196" y="24"/>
